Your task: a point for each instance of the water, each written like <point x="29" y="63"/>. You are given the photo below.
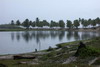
<point x="27" y="41"/>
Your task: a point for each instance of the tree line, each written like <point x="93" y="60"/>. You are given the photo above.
<point x="69" y="24"/>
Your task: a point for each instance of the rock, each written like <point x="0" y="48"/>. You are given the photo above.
<point x="21" y="57"/>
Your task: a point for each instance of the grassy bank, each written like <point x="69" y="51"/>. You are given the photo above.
<point x="55" y="57"/>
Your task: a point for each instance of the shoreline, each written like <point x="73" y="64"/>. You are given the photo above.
<point x="54" y="29"/>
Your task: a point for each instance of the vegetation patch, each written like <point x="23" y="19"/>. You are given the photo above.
<point x="88" y="51"/>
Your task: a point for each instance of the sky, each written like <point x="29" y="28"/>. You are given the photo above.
<point x="48" y="10"/>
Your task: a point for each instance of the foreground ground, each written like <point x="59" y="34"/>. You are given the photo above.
<point x="61" y="56"/>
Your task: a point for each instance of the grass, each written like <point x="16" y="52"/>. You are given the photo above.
<point x="66" y="44"/>
<point x="88" y="52"/>
<point x="14" y="63"/>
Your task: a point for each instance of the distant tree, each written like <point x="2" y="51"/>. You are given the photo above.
<point x="51" y="23"/>
<point x="30" y="23"/>
<point x="33" y="24"/>
<point x="57" y="24"/>
<point x="37" y="22"/>
<point x="82" y="22"/>
<point x="12" y="22"/>
<point x="93" y="23"/>
<point x="97" y="20"/>
<point x="18" y="22"/>
<point x="61" y="24"/>
<point x="80" y="19"/>
<point x="69" y="24"/>
<point x="89" y="21"/>
<point x="26" y="23"/>
<point x="40" y="24"/>
<point x="45" y="23"/>
<point x="54" y="24"/>
<point x="76" y="23"/>
<point x="85" y="23"/>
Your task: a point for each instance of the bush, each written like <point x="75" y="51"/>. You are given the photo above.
<point x="88" y="51"/>
<point x="59" y="46"/>
<point x="50" y="48"/>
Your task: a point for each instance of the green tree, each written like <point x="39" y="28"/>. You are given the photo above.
<point x="37" y="22"/>
<point x="89" y="21"/>
<point x="40" y="24"/>
<point x="80" y="19"/>
<point x="45" y="23"/>
<point x="53" y="24"/>
<point x="97" y="20"/>
<point x="33" y="24"/>
<point x="93" y="23"/>
<point x="18" y="22"/>
<point x="30" y="23"/>
<point x="76" y="23"/>
<point x="26" y="23"/>
<point x="12" y="22"/>
<point x="85" y="23"/>
<point x="69" y="24"/>
<point x="56" y="24"/>
<point x="82" y="22"/>
<point x="61" y="24"/>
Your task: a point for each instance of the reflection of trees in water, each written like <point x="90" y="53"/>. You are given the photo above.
<point x="69" y="35"/>
<point x="94" y="34"/>
<point x="18" y="36"/>
<point x="54" y="34"/>
<point x="86" y="35"/>
<point x="61" y="35"/>
<point x="42" y="35"/>
<point x="12" y="36"/>
<point x="38" y="35"/>
<point x="76" y="35"/>
<point x="26" y="36"/>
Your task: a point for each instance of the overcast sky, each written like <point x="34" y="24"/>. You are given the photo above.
<point x="48" y="9"/>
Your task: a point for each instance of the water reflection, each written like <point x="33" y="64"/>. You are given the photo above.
<point x="69" y="35"/>
<point x="12" y="36"/>
<point x="29" y="41"/>
<point x="18" y="36"/>
<point x="43" y="35"/>
<point x="61" y="35"/>
<point x="76" y="36"/>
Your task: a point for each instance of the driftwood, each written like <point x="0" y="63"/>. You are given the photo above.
<point x="21" y="57"/>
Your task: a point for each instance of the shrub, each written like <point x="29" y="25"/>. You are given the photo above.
<point x="50" y="48"/>
<point x="59" y="46"/>
<point x="88" y="51"/>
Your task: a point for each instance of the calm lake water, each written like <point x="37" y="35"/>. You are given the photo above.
<point x="27" y="41"/>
